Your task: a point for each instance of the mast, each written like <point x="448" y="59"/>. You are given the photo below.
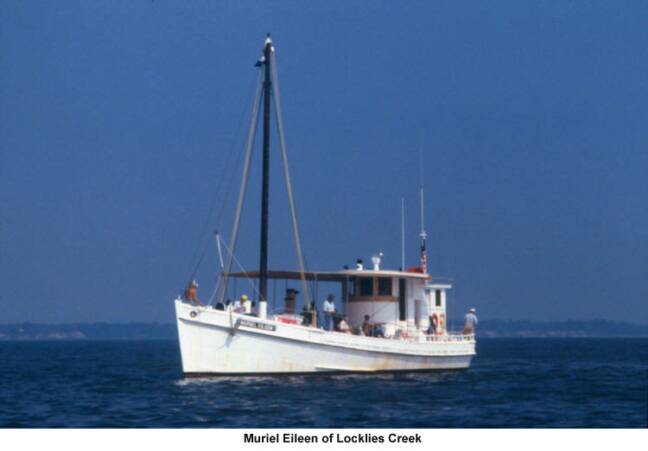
<point x="263" y="254"/>
<point x="423" y="233"/>
<point x="264" y="89"/>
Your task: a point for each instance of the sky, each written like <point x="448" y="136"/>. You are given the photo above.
<point x="122" y="126"/>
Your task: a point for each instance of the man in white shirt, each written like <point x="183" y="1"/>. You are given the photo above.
<point x="470" y="322"/>
<point x="329" y="311"/>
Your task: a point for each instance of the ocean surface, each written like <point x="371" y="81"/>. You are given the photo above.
<point x="540" y="382"/>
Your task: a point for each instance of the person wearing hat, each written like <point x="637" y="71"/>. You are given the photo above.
<point x="470" y="322"/>
<point x="329" y="311"/>
<point x="191" y="293"/>
<point x="239" y="304"/>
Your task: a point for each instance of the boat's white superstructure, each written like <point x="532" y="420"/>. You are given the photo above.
<point x="391" y="321"/>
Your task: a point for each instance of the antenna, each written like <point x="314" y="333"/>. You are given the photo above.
<point x="423" y="233"/>
<point x="402" y="234"/>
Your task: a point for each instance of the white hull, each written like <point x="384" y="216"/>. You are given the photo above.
<point x="220" y="342"/>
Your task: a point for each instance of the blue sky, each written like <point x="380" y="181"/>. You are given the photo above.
<point x="117" y="120"/>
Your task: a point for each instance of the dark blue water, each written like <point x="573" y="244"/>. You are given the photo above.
<point x="513" y="383"/>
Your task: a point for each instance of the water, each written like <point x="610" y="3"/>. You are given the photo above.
<point x="513" y="383"/>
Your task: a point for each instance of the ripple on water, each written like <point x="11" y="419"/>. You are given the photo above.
<point x="513" y="383"/>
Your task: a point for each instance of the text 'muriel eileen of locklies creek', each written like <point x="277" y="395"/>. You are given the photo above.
<point x="332" y="437"/>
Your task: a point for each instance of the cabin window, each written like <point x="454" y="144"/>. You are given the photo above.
<point x="365" y="287"/>
<point x="437" y="297"/>
<point x="352" y="287"/>
<point x="384" y="286"/>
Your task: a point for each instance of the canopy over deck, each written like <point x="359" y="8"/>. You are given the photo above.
<point x="293" y="275"/>
<point x="336" y="276"/>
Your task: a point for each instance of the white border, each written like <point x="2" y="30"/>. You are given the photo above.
<point x="232" y="439"/>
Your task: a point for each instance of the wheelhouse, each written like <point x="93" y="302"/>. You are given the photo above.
<point x="400" y="301"/>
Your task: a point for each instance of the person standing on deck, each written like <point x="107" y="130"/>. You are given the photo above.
<point x="191" y="293"/>
<point x="470" y="322"/>
<point x="367" y="327"/>
<point x="434" y="322"/>
<point x="329" y="311"/>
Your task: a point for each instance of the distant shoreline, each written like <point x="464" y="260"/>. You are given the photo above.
<point x="167" y="331"/>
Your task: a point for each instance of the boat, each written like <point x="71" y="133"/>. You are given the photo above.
<point x="391" y="320"/>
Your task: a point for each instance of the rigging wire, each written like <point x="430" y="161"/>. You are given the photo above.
<point x="224" y="183"/>
<point x="243" y="187"/>
<point x="232" y="174"/>
<point x="249" y="279"/>
<point x="222" y="283"/>
<point x="291" y="200"/>
<point x="222" y="268"/>
<point x="198" y="256"/>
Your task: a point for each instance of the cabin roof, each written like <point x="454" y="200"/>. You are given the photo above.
<point x="383" y="273"/>
<point x="292" y="275"/>
<point x="331" y="276"/>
